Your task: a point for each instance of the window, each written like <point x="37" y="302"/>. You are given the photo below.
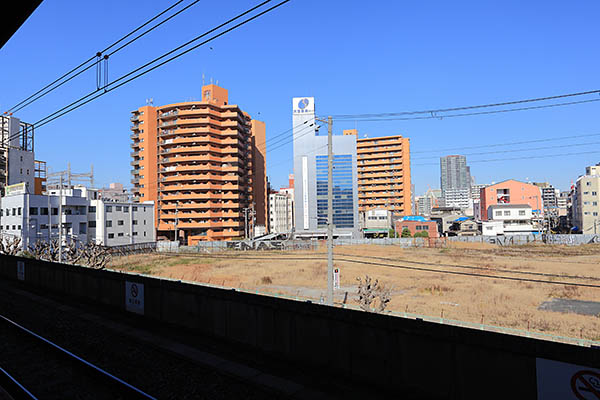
<point x="506" y="212"/>
<point x="19" y="227"/>
<point x="44" y="211"/>
<point x="33" y="211"/>
<point x="498" y="213"/>
<point x="133" y="208"/>
<point x="92" y="224"/>
<point x="111" y="235"/>
<point x="108" y="224"/>
<point x="19" y="211"/>
<point x="594" y="193"/>
<point x="134" y="233"/>
<point x="489" y="228"/>
<point x="120" y="222"/>
<point x="82" y="227"/>
<point x="54" y="211"/>
<point x="144" y="233"/>
<point x="144" y="222"/>
<point x="521" y="212"/>
<point x="108" y="209"/>
<point x="117" y="208"/>
<point x="120" y="234"/>
<point x="14" y="211"/>
<point x="92" y="209"/>
<point x="134" y="222"/>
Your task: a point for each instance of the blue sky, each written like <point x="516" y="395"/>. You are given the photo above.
<point x="352" y="56"/>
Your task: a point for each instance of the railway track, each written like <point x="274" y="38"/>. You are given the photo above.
<point x="33" y="367"/>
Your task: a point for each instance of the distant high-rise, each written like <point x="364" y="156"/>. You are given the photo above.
<point x="455" y="179"/>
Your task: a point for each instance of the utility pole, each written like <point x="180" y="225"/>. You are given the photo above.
<point x="246" y="209"/>
<point x="329" y="211"/>
<point x="176" y="221"/>
<point x="60" y="198"/>
<point x="49" y="210"/>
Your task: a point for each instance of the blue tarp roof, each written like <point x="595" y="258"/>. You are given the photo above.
<point x="461" y="219"/>
<point x="414" y="218"/>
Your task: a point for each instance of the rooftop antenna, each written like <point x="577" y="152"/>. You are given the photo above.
<point x="203" y="79"/>
<point x="211" y="80"/>
<point x="217" y="83"/>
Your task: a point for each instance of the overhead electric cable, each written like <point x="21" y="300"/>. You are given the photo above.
<point x="50" y="87"/>
<point x="439" y="110"/>
<point x="505" y="144"/>
<point x="513" y="150"/>
<point x="80" y="102"/>
<point x="523" y="158"/>
<point x="434" y="114"/>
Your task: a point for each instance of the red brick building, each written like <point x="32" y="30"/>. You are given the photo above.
<point x="417" y="225"/>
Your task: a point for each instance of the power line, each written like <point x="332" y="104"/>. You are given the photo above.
<point x="440" y="117"/>
<point x="443" y="110"/>
<point x="107" y="88"/>
<point x="505" y="143"/>
<point x="514" y="150"/>
<point x="51" y="86"/>
<point x="523" y="158"/>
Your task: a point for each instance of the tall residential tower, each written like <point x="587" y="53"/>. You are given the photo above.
<point x="203" y="163"/>
<point x="455" y="180"/>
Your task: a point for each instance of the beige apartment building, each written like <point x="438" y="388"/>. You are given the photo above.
<point x="203" y="163"/>
<point x="586" y="201"/>
<point x="383" y="165"/>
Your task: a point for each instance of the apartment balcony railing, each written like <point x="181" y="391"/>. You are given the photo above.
<point x="168" y="114"/>
<point x="134" y="118"/>
<point x="167" y="123"/>
<point x="134" y="135"/>
<point x="134" y="153"/>
<point x="135" y="162"/>
<point x="135" y="180"/>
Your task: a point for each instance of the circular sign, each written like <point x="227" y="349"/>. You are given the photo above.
<point x="586" y="385"/>
<point x="134" y="290"/>
<point x="302" y="104"/>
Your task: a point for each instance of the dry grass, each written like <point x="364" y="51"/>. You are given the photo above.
<point x="494" y="301"/>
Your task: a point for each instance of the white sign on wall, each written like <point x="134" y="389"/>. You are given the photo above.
<point x="336" y="278"/>
<point x="303" y="105"/>
<point x="134" y="297"/>
<point x="305" y="190"/>
<point x="562" y="381"/>
<point x="21" y="270"/>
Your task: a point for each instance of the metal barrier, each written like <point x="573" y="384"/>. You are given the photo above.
<point x="129" y="249"/>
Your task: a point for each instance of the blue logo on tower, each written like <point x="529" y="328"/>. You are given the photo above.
<point x="302" y="104"/>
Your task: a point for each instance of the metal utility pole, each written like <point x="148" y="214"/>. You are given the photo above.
<point x="329" y="211"/>
<point x="60" y="243"/>
<point x="49" y="211"/>
<point x="176" y="221"/>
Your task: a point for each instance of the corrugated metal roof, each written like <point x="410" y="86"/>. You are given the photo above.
<point x="414" y="218"/>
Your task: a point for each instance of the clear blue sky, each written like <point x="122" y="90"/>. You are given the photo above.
<point x="353" y="56"/>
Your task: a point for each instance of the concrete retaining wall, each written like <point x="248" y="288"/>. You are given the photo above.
<point x="396" y="354"/>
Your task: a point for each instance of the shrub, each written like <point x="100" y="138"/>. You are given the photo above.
<point x="266" y="280"/>
<point x="423" y="234"/>
<point x="406" y="233"/>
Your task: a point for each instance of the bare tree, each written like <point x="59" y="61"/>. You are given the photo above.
<point x="95" y="255"/>
<point x="10" y="245"/>
<point x="368" y="291"/>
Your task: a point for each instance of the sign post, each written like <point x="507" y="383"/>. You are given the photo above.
<point x="134" y="297"/>
<point x="336" y="278"/>
<point x="563" y="381"/>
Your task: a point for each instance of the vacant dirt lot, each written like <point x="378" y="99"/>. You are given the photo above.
<point x="454" y="293"/>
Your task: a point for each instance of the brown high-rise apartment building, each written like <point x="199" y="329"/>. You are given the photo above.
<point x="383" y="165"/>
<point x="203" y="163"/>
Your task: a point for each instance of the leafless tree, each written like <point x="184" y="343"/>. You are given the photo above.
<point x="95" y="256"/>
<point x="368" y="291"/>
<point x="10" y="245"/>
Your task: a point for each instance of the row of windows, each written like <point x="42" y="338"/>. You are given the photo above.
<point x="119" y="208"/>
<point x="498" y="213"/>
<point x="120" y="234"/>
<point x="7" y="227"/>
<point x="121" y="222"/>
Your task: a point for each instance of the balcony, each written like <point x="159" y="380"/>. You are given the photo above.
<point x="168" y="123"/>
<point x="134" y="136"/>
<point x="169" y="114"/>
<point x="135" y="118"/>
<point x="135" y="171"/>
<point x="135" y="180"/>
<point x="135" y="126"/>
<point x="134" y="153"/>
<point x="135" y="162"/>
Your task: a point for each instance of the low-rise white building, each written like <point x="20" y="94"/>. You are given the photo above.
<point x="376" y="222"/>
<point x="509" y="219"/>
<point x="85" y="217"/>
